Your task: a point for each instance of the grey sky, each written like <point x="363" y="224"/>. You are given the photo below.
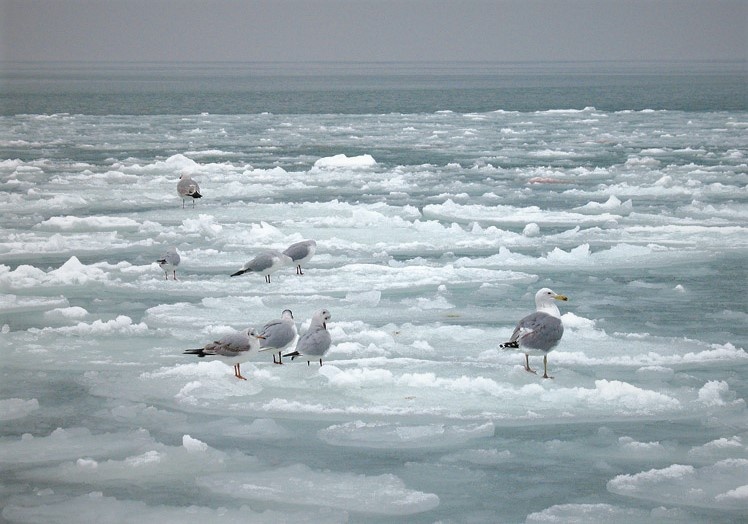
<point x="372" y="30"/>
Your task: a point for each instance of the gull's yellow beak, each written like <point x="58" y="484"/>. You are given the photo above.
<point x="561" y="297"/>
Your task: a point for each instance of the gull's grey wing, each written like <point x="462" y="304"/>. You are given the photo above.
<point x="538" y="331"/>
<point x="171" y="257"/>
<point x="314" y="343"/>
<point x="188" y="187"/>
<point x="278" y="334"/>
<point x="261" y="262"/>
<point x="230" y="345"/>
<point x="264" y="262"/>
<point x="300" y="250"/>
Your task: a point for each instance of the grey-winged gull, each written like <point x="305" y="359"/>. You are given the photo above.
<point x="169" y="262"/>
<point x="301" y="253"/>
<point x="316" y="341"/>
<point x="266" y="263"/>
<point x="538" y="333"/>
<point x="233" y="349"/>
<point x="188" y="188"/>
<point x="278" y="334"/>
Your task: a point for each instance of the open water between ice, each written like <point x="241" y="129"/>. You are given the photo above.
<point x="434" y="230"/>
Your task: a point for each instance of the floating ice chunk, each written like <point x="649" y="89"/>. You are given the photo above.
<point x="654" y="151"/>
<point x="151" y="463"/>
<point x="24" y="276"/>
<point x="298" y="484"/>
<point x="612" y="204"/>
<point x="552" y="154"/>
<point x="721" y="485"/>
<point x="366" y="298"/>
<point x="66" y="313"/>
<point x="357" y="350"/>
<point x="664" y="181"/>
<point x="739" y="494"/>
<point x="721" y="448"/>
<point x="655" y="372"/>
<point x="74" y="272"/>
<point x="122" y="325"/>
<point x="577" y="254"/>
<point x="717" y="393"/>
<point x="207" y="370"/>
<point x="622" y="397"/>
<point x="544" y="180"/>
<point x="193" y="445"/>
<point x="629" y="484"/>
<point x="20" y="304"/>
<point x="463" y="384"/>
<point x="94" y="223"/>
<point x="531" y="230"/>
<point x="628" y="444"/>
<point x="13" y="408"/>
<point x="384" y="435"/>
<point x="356" y="377"/>
<point x="206" y="382"/>
<point x="174" y="165"/>
<point x="427" y="303"/>
<point x="139" y="414"/>
<point x="71" y="443"/>
<point x="95" y="507"/>
<point x="573" y="321"/>
<point x="344" y="162"/>
<point x="86" y="463"/>
<point x="637" y="162"/>
<point x="264" y="233"/>
<point x="588" y="514"/>
<point x="149" y="457"/>
<point x="500" y="214"/>
<point x="422" y="347"/>
<point x="204" y="226"/>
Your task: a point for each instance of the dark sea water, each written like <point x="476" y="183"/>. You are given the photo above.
<point x="241" y="88"/>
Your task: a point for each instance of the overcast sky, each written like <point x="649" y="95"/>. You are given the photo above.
<point x="372" y="30"/>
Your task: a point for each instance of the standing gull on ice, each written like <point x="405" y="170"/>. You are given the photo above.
<point x="301" y="252"/>
<point x="539" y="332"/>
<point x="266" y="263"/>
<point x="169" y="262"/>
<point x="233" y="349"/>
<point x="316" y="341"/>
<point x="278" y="334"/>
<point x="186" y="187"/>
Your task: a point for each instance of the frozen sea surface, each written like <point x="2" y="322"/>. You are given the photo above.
<point x="434" y="230"/>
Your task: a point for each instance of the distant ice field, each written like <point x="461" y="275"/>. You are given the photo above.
<point x="433" y="230"/>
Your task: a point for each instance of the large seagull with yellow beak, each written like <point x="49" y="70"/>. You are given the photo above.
<point x="538" y="333"/>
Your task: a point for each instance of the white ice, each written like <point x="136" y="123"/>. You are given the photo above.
<point x="430" y="246"/>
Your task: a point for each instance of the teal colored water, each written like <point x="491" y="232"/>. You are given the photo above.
<point x="369" y="88"/>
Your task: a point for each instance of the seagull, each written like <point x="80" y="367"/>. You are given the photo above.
<point x="538" y="333"/>
<point x="316" y="341"/>
<point x="301" y="252"/>
<point x="232" y="349"/>
<point x="186" y="187"/>
<point x="278" y="334"/>
<point x="169" y="262"/>
<point x="266" y="263"/>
